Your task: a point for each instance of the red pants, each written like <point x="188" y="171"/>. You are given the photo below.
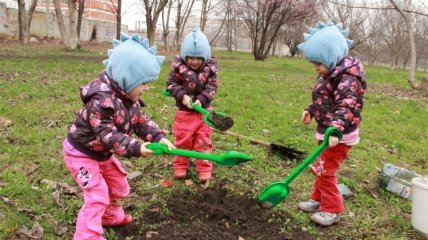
<point x="325" y="187"/>
<point x="192" y="133"/>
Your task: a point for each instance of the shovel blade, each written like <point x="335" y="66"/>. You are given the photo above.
<point x="273" y="195"/>
<point x="232" y="158"/>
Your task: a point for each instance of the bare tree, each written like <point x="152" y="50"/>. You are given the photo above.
<point x="165" y="25"/>
<point x="116" y="9"/>
<point x="60" y="20"/>
<point x="293" y="36"/>
<point x="184" y="8"/>
<point x="207" y="8"/>
<point x="25" y="20"/>
<point x="80" y="10"/>
<point x="153" y="9"/>
<point x="412" y="71"/>
<point x="70" y="38"/>
<point x="73" y="41"/>
<point x="264" y="18"/>
<point x="225" y="9"/>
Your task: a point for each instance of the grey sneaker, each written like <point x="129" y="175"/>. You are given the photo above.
<point x="309" y="206"/>
<point x="325" y="218"/>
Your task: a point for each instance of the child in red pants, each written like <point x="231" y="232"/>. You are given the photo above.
<point x="110" y="114"/>
<point x="337" y="100"/>
<point x="193" y="78"/>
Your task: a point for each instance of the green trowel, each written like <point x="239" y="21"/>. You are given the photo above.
<point x="229" y="158"/>
<point x="277" y="192"/>
<point x="217" y="120"/>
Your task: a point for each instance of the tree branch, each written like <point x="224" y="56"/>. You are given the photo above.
<point x="379" y="8"/>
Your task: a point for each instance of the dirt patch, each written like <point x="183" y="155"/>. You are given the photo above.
<point x="397" y="92"/>
<point x="212" y="214"/>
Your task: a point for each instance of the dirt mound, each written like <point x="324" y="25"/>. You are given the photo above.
<point x="212" y="214"/>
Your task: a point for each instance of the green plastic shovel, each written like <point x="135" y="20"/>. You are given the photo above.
<point x="229" y="158"/>
<point x="276" y="192"/>
<point x="217" y="120"/>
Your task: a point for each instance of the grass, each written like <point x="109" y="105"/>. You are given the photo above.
<point x="39" y="94"/>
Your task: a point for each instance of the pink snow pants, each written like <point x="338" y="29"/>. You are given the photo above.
<point x="192" y="133"/>
<point x="104" y="184"/>
<point x="325" y="188"/>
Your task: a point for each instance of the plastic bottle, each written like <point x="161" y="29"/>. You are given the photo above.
<point x="397" y="180"/>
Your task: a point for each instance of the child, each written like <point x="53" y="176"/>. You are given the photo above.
<point x="193" y="77"/>
<point x="103" y="127"/>
<point x="337" y="100"/>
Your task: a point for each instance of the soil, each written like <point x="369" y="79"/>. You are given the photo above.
<point x="222" y="123"/>
<point x="211" y="214"/>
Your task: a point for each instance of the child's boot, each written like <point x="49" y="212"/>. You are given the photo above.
<point x="180" y="173"/>
<point x="309" y="206"/>
<point x="325" y="218"/>
<point x="205" y="176"/>
<point x="127" y="219"/>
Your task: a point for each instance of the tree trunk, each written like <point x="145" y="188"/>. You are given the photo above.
<point x="80" y="16"/>
<point x="412" y="71"/>
<point x="119" y="19"/>
<point x="153" y="10"/>
<point x="28" y="22"/>
<point x="22" y="21"/>
<point x="204" y="14"/>
<point x="60" y="20"/>
<point x="165" y="25"/>
<point x="74" y="43"/>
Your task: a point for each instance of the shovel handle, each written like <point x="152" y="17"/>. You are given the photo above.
<point x="311" y="158"/>
<point x="159" y="148"/>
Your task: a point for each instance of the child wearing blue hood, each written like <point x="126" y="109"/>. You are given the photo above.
<point x="337" y="100"/>
<point x="193" y="78"/>
<point x="110" y="114"/>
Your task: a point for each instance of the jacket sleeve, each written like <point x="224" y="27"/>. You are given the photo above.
<point x="147" y="129"/>
<point x="208" y="92"/>
<point x="347" y="106"/>
<point x="101" y="119"/>
<point x="173" y="82"/>
<point x="310" y="109"/>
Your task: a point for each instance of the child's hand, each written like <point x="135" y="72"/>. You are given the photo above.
<point x="186" y="101"/>
<point x="168" y="143"/>
<point x="306" y="117"/>
<point x="332" y="141"/>
<point x="197" y="102"/>
<point x="144" y="151"/>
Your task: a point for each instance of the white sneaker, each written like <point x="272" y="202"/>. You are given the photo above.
<point x="325" y="218"/>
<point x="309" y="206"/>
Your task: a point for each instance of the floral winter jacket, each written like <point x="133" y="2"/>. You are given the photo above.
<point x="200" y="84"/>
<point x="338" y="100"/>
<point x="105" y="123"/>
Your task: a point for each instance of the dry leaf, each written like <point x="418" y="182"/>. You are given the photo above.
<point x="188" y="182"/>
<point x="150" y="234"/>
<point x="155" y="209"/>
<point x="206" y="184"/>
<point x="240" y="238"/>
<point x="6" y="200"/>
<point x="4" y="122"/>
<point x="60" y="229"/>
<point x="36" y="231"/>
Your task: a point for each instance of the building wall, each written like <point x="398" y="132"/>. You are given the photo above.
<point x="100" y="10"/>
<point x="105" y="31"/>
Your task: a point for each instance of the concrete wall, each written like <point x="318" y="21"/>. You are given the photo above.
<point x="41" y="28"/>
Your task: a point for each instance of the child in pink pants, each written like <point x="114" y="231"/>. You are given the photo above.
<point x="193" y="78"/>
<point x="111" y="113"/>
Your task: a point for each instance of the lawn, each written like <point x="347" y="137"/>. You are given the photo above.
<point x="39" y="95"/>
